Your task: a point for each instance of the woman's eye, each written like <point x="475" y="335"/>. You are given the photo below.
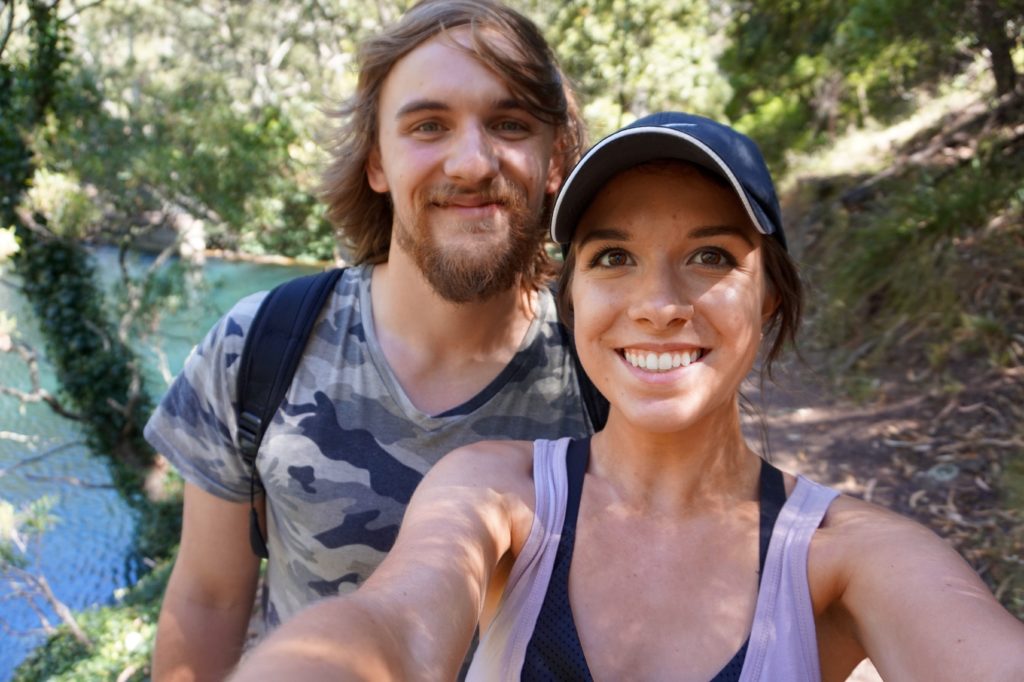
<point x="612" y="258"/>
<point x="712" y="258"/>
<point x="428" y="127"/>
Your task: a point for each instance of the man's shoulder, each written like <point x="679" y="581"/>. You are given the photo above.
<point x="555" y="334"/>
<point x="240" y="316"/>
<point x="345" y="295"/>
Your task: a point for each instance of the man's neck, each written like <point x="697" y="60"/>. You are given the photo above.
<point x="443" y="353"/>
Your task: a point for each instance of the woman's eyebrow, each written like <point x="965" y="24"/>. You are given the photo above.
<point x="603" y="233"/>
<point x="721" y="230"/>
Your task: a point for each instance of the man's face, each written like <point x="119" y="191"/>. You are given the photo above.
<point x="467" y="168"/>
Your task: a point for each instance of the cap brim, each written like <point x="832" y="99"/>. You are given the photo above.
<point x="631" y="147"/>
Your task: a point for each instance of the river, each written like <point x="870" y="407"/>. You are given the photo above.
<point x="86" y="554"/>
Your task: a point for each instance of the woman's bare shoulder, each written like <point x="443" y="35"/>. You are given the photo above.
<point x="916" y="605"/>
<point x="857" y="522"/>
<point x="487" y="460"/>
<point x="855" y="532"/>
<point x="501" y="467"/>
<point x="859" y="543"/>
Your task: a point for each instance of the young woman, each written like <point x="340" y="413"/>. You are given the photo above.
<point x="663" y="548"/>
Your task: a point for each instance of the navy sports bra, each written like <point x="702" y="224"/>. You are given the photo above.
<point x="554" y="653"/>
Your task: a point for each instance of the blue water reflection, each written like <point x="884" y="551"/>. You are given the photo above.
<point x="85" y="556"/>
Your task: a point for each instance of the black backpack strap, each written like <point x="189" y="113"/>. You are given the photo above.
<point x="270" y="356"/>
<point x="595" y="403"/>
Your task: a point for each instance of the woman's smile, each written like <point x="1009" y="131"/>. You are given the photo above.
<point x="661" y="361"/>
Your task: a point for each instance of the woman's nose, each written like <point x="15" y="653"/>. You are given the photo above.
<point x="660" y="299"/>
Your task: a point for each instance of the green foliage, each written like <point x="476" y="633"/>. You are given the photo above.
<point x="628" y="59"/>
<point x="922" y="271"/>
<point x="54" y="659"/>
<point x="159" y="527"/>
<point x="49" y="56"/>
<point x="93" y="365"/>
<point x="803" y="71"/>
<point x="189" y="147"/>
<point x="63" y="202"/>
<point x="19" y="526"/>
<point x="15" y="158"/>
<point x="27" y="89"/>
<point x="214" y="110"/>
<point x="123" y="637"/>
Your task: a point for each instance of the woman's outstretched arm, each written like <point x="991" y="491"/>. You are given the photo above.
<point x="414" y="617"/>
<point x="918" y="609"/>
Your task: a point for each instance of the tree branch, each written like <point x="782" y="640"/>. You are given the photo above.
<point x="10" y="285"/>
<point x="41" y="586"/>
<point x="79" y="10"/>
<point x="27" y="221"/>
<point x="38" y="394"/>
<point x="41" y="456"/>
<point x="10" y="26"/>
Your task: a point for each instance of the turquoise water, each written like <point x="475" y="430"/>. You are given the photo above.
<point x="85" y="555"/>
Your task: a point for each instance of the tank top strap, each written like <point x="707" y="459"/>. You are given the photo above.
<point x="773" y="497"/>
<point x="577" y="458"/>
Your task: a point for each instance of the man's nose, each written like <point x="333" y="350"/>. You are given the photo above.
<point x="472" y="157"/>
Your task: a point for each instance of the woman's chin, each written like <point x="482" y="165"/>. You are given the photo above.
<point x="662" y="422"/>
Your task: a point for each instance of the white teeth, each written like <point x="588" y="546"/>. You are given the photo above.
<point x="655" y="362"/>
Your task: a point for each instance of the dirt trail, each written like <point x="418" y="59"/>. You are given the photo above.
<point x="926" y="453"/>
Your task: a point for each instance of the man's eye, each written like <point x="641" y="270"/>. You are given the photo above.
<point x="512" y="126"/>
<point x="428" y="127"/>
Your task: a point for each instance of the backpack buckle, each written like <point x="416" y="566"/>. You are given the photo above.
<point x="249" y="435"/>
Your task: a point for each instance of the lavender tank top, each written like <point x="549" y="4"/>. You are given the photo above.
<point x="783" y="644"/>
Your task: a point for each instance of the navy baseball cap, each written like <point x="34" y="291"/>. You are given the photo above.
<point x="679" y="137"/>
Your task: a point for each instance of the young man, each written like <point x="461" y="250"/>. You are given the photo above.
<point x="444" y="332"/>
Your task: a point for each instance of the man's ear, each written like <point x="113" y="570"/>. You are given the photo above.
<point x="375" y="172"/>
<point x="556" y="167"/>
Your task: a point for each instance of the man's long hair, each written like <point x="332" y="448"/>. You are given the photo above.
<point x="523" y="60"/>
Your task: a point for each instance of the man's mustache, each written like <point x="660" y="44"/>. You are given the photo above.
<point x="499" y="191"/>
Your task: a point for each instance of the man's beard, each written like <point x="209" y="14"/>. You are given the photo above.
<point x="462" y="277"/>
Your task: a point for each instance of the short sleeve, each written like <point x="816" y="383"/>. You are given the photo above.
<point x="194" y="425"/>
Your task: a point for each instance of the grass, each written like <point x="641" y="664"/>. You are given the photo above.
<point x="919" y="271"/>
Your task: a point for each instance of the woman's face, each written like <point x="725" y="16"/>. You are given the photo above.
<point x="669" y="294"/>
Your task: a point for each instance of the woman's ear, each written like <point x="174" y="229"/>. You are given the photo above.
<point x="375" y="172"/>
<point x="770" y="305"/>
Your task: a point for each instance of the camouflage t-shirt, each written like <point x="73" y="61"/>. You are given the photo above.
<point x="347" y="447"/>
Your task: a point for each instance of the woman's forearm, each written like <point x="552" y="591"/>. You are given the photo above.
<point x="341" y="638"/>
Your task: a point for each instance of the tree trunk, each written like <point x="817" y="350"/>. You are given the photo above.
<point x="991" y="23"/>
